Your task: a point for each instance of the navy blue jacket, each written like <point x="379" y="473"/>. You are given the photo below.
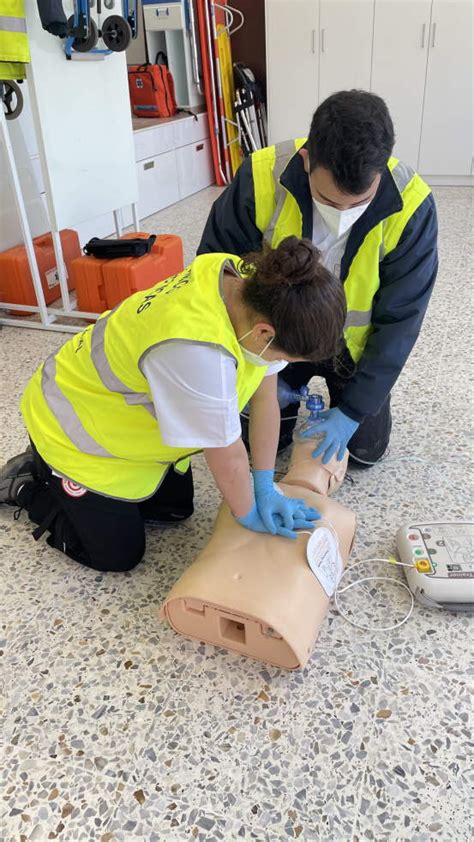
<point x="407" y="274"/>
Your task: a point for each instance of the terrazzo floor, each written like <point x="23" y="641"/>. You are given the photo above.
<point x="115" y="729"/>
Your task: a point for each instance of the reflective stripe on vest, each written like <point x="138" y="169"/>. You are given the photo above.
<point x="108" y="376"/>
<point x="62" y="408"/>
<point x="278" y="215"/>
<point x="65" y="413"/>
<point x="13" y="38"/>
<point x="12" y="24"/>
<point x="283" y="153"/>
<point x="358" y="318"/>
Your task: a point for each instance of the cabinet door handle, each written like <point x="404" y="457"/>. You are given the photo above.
<point x="323" y="40"/>
<point x="423" y="33"/>
<point x="433" y="35"/>
<point x="200" y="147"/>
<point x="313" y="40"/>
<point x="149" y="165"/>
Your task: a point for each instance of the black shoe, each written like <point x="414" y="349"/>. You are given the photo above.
<point x="17" y="471"/>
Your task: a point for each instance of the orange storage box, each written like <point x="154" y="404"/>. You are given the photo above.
<point x="102" y="284"/>
<point x="16" y="282"/>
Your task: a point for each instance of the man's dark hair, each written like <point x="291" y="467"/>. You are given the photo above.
<point x="352" y="136"/>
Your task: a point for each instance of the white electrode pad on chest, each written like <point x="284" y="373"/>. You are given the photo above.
<point x="324" y="559"/>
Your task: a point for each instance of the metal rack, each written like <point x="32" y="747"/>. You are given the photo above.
<point x="82" y="90"/>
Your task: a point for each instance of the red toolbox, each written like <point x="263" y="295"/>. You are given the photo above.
<point x="101" y="284"/>
<point x="16" y="282"/>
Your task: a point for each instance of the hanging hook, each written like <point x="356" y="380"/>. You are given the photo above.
<point x="229" y="12"/>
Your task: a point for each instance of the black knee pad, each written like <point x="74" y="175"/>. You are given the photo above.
<point x="118" y="565"/>
<point x="119" y="559"/>
<point x="116" y="560"/>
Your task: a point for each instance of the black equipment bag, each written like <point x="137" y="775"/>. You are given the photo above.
<point x="111" y="249"/>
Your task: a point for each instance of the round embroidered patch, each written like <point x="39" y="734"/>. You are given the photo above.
<point x="72" y="488"/>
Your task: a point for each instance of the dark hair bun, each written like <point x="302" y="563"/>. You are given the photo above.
<point x="293" y="262"/>
<point x="291" y="289"/>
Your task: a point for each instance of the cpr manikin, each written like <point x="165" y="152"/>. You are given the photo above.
<point x="256" y="594"/>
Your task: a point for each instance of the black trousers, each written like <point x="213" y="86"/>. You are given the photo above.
<point x="371" y="438"/>
<point x="97" y="531"/>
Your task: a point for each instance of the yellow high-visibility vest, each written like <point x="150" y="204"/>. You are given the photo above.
<point x="89" y="408"/>
<point x="277" y="215"/>
<point x="14" y="50"/>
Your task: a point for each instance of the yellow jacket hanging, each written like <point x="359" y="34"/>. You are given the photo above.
<point x="14" y="50"/>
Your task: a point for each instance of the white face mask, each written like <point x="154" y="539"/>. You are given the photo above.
<point x="339" y="221"/>
<point x="254" y="359"/>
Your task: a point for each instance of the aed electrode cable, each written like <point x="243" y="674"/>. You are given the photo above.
<point x="338" y="590"/>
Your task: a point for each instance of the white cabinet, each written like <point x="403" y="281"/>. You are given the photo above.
<point x="346" y="31"/>
<point x="173" y="160"/>
<point x="188" y="129"/>
<point x="292" y="28"/>
<point x="157" y="183"/>
<point x="446" y="136"/>
<point x="398" y="74"/>
<point x="195" y="168"/>
<point x="165" y="178"/>
<point x="152" y="141"/>
<point x="416" y="54"/>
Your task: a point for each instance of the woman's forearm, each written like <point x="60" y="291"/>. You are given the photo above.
<point x="231" y="471"/>
<point x="264" y="426"/>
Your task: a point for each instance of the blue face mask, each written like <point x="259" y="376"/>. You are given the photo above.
<point x="254" y="359"/>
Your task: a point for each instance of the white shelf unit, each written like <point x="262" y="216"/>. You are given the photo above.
<point x="173" y="160"/>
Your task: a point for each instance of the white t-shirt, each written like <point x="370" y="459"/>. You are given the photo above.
<point x="331" y="246"/>
<point x="194" y="393"/>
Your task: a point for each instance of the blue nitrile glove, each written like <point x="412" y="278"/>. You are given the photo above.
<point x="338" y="429"/>
<point x="275" y="509"/>
<point x="253" y="521"/>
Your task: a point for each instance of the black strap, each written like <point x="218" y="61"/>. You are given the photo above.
<point x="46" y="523"/>
<point x="187" y="111"/>
<point x="165" y="58"/>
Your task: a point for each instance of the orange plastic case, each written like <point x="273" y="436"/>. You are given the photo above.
<point x="102" y="284"/>
<point x="16" y="282"/>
